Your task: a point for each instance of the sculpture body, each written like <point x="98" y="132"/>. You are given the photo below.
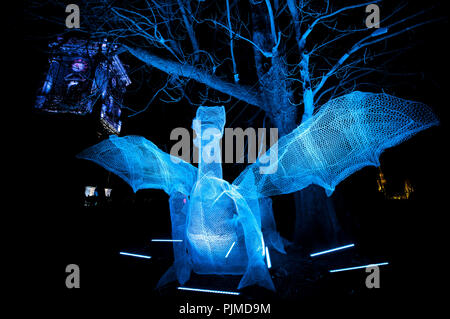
<point x="212" y="215"/>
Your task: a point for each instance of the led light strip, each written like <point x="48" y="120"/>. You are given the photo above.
<point x="359" y="267"/>
<point x="210" y="291"/>
<point x="269" y="263"/>
<point x="135" y="255"/>
<point x="331" y="250"/>
<point x="232" y="245"/>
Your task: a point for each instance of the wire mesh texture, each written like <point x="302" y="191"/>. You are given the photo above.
<point x="226" y="227"/>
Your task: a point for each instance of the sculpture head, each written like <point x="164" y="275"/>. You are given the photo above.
<point x="208" y="126"/>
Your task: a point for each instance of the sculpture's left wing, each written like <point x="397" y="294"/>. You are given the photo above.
<point x="142" y="164"/>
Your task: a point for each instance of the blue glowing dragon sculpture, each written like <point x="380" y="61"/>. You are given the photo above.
<point x="226" y="227"/>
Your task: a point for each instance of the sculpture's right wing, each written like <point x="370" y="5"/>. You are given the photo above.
<point x="345" y="135"/>
<point x="142" y="164"/>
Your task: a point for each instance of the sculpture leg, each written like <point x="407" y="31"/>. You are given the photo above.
<point x="181" y="268"/>
<point x="257" y="272"/>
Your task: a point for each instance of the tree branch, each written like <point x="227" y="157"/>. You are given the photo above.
<point x="378" y="35"/>
<point x="272" y="22"/>
<point x="238" y="36"/>
<point x="327" y="16"/>
<point x="235" y="74"/>
<point x="239" y="92"/>
<point x="188" y="27"/>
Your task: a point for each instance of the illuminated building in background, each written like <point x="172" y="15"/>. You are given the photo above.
<point x="80" y="103"/>
<point x="93" y="198"/>
<point x="85" y="77"/>
<point x="381" y="181"/>
<point x="408" y="189"/>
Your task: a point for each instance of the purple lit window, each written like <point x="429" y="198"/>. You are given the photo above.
<point x="79" y="65"/>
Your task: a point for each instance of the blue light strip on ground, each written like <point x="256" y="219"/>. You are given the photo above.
<point x="135" y="255"/>
<point x="226" y="256"/>
<point x="168" y="240"/>
<point x="210" y="291"/>
<point x="359" y="267"/>
<point x="331" y="250"/>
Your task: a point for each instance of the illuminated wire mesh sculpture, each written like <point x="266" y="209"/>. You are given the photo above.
<point x="226" y="227"/>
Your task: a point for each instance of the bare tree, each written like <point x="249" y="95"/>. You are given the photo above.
<point x="285" y="58"/>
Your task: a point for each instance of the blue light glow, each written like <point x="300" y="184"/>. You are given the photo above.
<point x="226" y="256"/>
<point x="346" y="134"/>
<point x="167" y="240"/>
<point x="135" y="255"/>
<point x="331" y="250"/>
<point x="269" y="263"/>
<point x="359" y="267"/>
<point x="210" y="291"/>
<point x="210" y="215"/>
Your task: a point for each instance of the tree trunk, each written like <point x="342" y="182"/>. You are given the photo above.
<point x="316" y="224"/>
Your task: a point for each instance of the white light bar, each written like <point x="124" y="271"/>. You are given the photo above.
<point x="232" y="245"/>
<point x="331" y="250"/>
<point x="210" y="291"/>
<point x="360" y="267"/>
<point x="269" y="264"/>
<point x="167" y="240"/>
<point x="135" y="255"/>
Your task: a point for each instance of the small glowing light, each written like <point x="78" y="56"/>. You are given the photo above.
<point x="71" y="83"/>
<point x="89" y="191"/>
<point x="232" y="245"/>
<point x="263" y="246"/>
<point x="269" y="264"/>
<point x="79" y="65"/>
<point x="359" y="267"/>
<point x="331" y="250"/>
<point x="47" y="86"/>
<point x="135" y="255"/>
<point x="210" y="291"/>
<point x="108" y="192"/>
<point x="167" y="240"/>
